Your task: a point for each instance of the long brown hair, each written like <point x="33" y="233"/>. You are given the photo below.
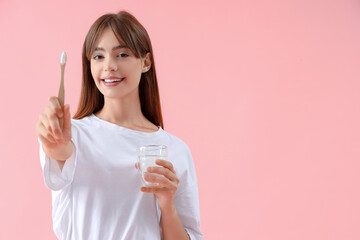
<point x="128" y="30"/>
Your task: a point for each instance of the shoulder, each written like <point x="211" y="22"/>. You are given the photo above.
<point x="176" y="141"/>
<point x="78" y="125"/>
<point x="80" y="122"/>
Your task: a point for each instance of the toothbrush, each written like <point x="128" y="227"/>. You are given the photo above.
<point x="61" y="94"/>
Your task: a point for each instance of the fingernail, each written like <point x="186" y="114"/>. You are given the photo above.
<point x="60" y="114"/>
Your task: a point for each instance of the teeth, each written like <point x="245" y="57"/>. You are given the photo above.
<point x="112" y="80"/>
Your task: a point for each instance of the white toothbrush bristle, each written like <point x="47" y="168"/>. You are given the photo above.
<point x="63" y="58"/>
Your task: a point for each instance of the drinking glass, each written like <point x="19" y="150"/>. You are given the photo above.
<point x="147" y="156"/>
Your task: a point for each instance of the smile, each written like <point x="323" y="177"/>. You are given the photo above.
<point x="112" y="80"/>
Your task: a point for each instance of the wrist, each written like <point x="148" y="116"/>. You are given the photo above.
<point x="168" y="210"/>
<point x="60" y="154"/>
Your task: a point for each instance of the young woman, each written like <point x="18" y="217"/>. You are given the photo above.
<point x="89" y="162"/>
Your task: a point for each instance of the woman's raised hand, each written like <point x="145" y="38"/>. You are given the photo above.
<point x="54" y="130"/>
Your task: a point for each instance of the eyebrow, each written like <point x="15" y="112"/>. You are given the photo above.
<point x="114" y="48"/>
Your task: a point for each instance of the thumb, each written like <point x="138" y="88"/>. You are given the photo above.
<point x="67" y="119"/>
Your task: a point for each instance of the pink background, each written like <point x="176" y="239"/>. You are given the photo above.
<point x="265" y="93"/>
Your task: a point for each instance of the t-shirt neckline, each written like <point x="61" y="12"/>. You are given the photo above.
<point x="116" y="127"/>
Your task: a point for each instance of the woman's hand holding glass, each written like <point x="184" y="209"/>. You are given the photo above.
<point x="158" y="174"/>
<point x="167" y="183"/>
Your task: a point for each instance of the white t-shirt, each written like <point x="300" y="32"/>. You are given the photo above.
<point x="97" y="194"/>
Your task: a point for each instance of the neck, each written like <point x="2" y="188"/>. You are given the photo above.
<point x="123" y="111"/>
<point x="126" y="112"/>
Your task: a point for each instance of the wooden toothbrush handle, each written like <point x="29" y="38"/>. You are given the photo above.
<point x="61" y="94"/>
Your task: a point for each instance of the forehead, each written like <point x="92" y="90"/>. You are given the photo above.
<point x="108" y="39"/>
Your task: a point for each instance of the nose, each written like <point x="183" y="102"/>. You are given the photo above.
<point x="110" y="65"/>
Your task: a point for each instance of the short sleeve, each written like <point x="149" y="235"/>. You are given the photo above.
<point x="187" y="199"/>
<point x="187" y="205"/>
<point x="54" y="178"/>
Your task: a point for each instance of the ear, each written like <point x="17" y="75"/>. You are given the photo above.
<point x="146" y="63"/>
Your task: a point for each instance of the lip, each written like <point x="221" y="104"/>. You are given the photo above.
<point x="112" y="84"/>
<point x="111" y="78"/>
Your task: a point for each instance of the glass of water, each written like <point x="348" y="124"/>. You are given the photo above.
<point x="147" y="156"/>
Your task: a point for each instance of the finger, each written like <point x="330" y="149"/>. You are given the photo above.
<point x="166" y="164"/>
<point x="67" y="119"/>
<point x="160" y="179"/>
<point x="44" y="134"/>
<point x="163" y="171"/>
<point x="44" y="121"/>
<point x="156" y="189"/>
<point x="45" y="141"/>
<point x="55" y="105"/>
<point x="53" y="122"/>
<point x="150" y="189"/>
<point x="137" y="166"/>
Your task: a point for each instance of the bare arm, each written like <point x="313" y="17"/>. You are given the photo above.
<point x="171" y="225"/>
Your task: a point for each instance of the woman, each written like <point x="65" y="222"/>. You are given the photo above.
<point x="89" y="162"/>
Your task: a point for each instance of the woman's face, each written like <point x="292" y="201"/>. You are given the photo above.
<point x="115" y="69"/>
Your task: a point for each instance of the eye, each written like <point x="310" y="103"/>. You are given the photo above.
<point x="122" y="55"/>
<point x="97" y="57"/>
